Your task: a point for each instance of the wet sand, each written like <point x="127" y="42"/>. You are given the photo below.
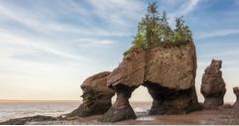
<point x="222" y="116"/>
<point x="209" y="117"/>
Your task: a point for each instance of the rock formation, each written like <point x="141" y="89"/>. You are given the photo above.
<point x="168" y="73"/>
<point x="236" y="92"/>
<point x="23" y="121"/>
<point x="124" y="79"/>
<point x="96" y="96"/>
<point x="170" y="77"/>
<point x="213" y="86"/>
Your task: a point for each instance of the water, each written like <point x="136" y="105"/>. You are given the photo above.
<point x="11" y="110"/>
<point x="23" y="109"/>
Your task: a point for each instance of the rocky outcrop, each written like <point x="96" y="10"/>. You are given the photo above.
<point x="213" y="86"/>
<point x="121" y="110"/>
<point x="96" y="96"/>
<point x="170" y="77"/>
<point x="22" y="121"/>
<point x="168" y="73"/>
<point x="236" y="92"/>
<point x="124" y="79"/>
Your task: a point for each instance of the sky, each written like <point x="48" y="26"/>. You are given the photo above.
<point x="48" y="47"/>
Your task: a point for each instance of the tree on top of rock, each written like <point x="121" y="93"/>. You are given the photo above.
<point x="154" y="30"/>
<point x="182" y="32"/>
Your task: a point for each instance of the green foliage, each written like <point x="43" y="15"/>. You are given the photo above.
<point x="182" y="32"/>
<point x="154" y="30"/>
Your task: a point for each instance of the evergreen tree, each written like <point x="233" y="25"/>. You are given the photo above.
<point x="154" y="30"/>
<point x="182" y="32"/>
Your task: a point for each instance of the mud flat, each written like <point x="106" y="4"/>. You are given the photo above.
<point x="221" y="116"/>
<point x="225" y="115"/>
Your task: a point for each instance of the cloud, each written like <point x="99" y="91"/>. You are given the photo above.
<point x="104" y="42"/>
<point x="122" y="11"/>
<point x="44" y="23"/>
<point x="37" y="44"/>
<point x="181" y="8"/>
<point x="190" y="7"/>
<point x="89" y="42"/>
<point x="218" y="33"/>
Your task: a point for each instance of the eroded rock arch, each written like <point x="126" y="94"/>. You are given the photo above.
<point x="168" y="73"/>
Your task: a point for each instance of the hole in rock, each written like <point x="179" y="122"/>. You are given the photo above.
<point x="141" y="100"/>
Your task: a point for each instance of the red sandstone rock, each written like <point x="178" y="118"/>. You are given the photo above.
<point x="168" y="73"/>
<point x="213" y="86"/>
<point x="236" y="92"/>
<point x="96" y="96"/>
<point x="130" y="72"/>
<point x="170" y="79"/>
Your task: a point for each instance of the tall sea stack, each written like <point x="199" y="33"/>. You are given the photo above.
<point x="213" y="86"/>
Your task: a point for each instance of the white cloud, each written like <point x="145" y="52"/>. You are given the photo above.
<point x="190" y="7"/>
<point x="36" y="44"/>
<point x="122" y="12"/>
<point x="218" y="33"/>
<point x="184" y="8"/>
<point x="87" y="42"/>
<point x="104" y="42"/>
<point x="40" y="23"/>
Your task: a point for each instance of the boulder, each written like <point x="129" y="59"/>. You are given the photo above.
<point x="213" y="86"/>
<point x="96" y="96"/>
<point x="170" y="78"/>
<point x="236" y="92"/>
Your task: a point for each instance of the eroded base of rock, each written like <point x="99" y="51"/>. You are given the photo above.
<point x="118" y="114"/>
<point x="169" y="101"/>
<point x="121" y="110"/>
<point x="85" y="110"/>
<point x="213" y="102"/>
<point x="236" y="92"/>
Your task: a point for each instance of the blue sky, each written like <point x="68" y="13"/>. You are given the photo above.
<point x="48" y="47"/>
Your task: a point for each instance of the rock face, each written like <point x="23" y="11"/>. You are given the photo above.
<point x="168" y="73"/>
<point x="213" y="86"/>
<point x="236" y="92"/>
<point x="124" y="79"/>
<point x="170" y="78"/>
<point x="130" y="72"/>
<point x="96" y="96"/>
